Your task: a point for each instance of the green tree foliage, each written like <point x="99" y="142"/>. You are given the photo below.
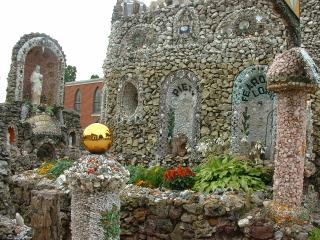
<point x="94" y="76"/>
<point x="70" y="73"/>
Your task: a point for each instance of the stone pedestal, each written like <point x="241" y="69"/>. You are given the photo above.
<point x="290" y="147"/>
<point x="45" y="210"/>
<point x="95" y="182"/>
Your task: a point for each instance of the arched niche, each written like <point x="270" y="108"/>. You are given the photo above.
<point x="244" y="23"/>
<point x="179" y="110"/>
<point x="72" y="139"/>
<point x="42" y="50"/>
<point x="129" y="106"/>
<point x="46" y="152"/>
<point x="48" y="62"/>
<point x="185" y="26"/>
<point x="138" y="37"/>
<point x="253" y="111"/>
<point x="11" y="135"/>
<point x="129" y="101"/>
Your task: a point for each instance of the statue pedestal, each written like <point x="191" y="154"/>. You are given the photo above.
<point x="95" y="182"/>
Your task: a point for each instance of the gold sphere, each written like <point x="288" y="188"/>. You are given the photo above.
<point x="97" y="138"/>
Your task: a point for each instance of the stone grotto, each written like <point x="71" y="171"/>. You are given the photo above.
<point x="178" y="74"/>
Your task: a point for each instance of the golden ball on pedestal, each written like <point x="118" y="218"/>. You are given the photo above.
<point x="97" y="138"/>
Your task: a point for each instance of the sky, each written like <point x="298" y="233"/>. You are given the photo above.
<point x="81" y="27"/>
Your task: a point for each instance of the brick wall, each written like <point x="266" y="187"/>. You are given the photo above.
<point x="87" y="90"/>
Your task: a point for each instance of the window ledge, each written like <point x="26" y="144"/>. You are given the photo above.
<point x="95" y="115"/>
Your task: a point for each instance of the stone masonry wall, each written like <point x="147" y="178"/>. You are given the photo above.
<point x="145" y="49"/>
<point x="310" y="39"/>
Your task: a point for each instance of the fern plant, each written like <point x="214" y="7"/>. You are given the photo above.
<point x="225" y="172"/>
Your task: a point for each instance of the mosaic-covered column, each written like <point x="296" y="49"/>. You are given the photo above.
<point x="95" y="181"/>
<point x="292" y="77"/>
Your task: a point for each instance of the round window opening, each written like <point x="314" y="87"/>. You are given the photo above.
<point x="129" y="99"/>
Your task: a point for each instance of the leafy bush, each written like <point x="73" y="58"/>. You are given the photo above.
<point x="315" y="234"/>
<point x="141" y="176"/>
<point x="225" y="172"/>
<point x="59" y="168"/>
<point x="179" y="178"/>
<point x="54" y="169"/>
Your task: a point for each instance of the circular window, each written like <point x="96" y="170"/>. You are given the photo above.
<point x="129" y="99"/>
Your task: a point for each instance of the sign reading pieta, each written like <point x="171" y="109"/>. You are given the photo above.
<point x="179" y="108"/>
<point x="253" y="111"/>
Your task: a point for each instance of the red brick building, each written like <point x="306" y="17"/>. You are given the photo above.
<point x="85" y="98"/>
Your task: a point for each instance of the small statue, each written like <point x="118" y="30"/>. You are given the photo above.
<point x="36" y="86"/>
<point x="179" y="145"/>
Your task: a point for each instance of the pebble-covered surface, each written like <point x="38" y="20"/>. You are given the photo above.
<point x="164" y="214"/>
<point x="292" y="76"/>
<point x="97" y="173"/>
<point x="293" y="69"/>
<point x="216" y="52"/>
<point x="95" y="182"/>
<point x="86" y="212"/>
<point x="290" y="148"/>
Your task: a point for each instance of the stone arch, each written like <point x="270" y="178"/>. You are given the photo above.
<point x="253" y="111"/>
<point x="28" y="47"/>
<point x="46" y="152"/>
<point x="179" y="109"/>
<point x="243" y="23"/>
<point x="129" y="99"/>
<point x="138" y="37"/>
<point x="72" y="139"/>
<point x="186" y="26"/>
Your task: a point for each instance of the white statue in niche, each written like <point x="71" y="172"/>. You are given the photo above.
<point x="36" y="86"/>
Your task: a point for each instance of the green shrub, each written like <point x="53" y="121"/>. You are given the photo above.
<point x="141" y="176"/>
<point x="137" y="173"/>
<point x="59" y="168"/>
<point x="225" y="172"/>
<point x="315" y="234"/>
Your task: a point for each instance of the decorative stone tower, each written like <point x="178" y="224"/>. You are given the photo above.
<point x="95" y="181"/>
<point x="292" y="77"/>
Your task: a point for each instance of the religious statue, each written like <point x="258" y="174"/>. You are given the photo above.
<point x="36" y="86"/>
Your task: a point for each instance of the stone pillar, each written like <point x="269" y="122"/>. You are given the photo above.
<point x="290" y="147"/>
<point x="45" y="219"/>
<point x="292" y="77"/>
<point x="95" y="182"/>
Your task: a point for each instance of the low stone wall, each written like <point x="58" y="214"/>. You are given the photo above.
<point x="172" y="215"/>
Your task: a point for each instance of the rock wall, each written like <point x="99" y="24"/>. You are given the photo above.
<point x="23" y="138"/>
<point x="5" y="201"/>
<point x="212" y="40"/>
<point x="310" y="39"/>
<point x="154" y="214"/>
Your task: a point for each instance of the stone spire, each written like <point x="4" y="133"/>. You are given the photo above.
<point x="117" y="11"/>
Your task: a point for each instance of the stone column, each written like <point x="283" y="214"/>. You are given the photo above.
<point x="292" y="77"/>
<point x="290" y="147"/>
<point x="95" y="182"/>
<point x="45" y="219"/>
